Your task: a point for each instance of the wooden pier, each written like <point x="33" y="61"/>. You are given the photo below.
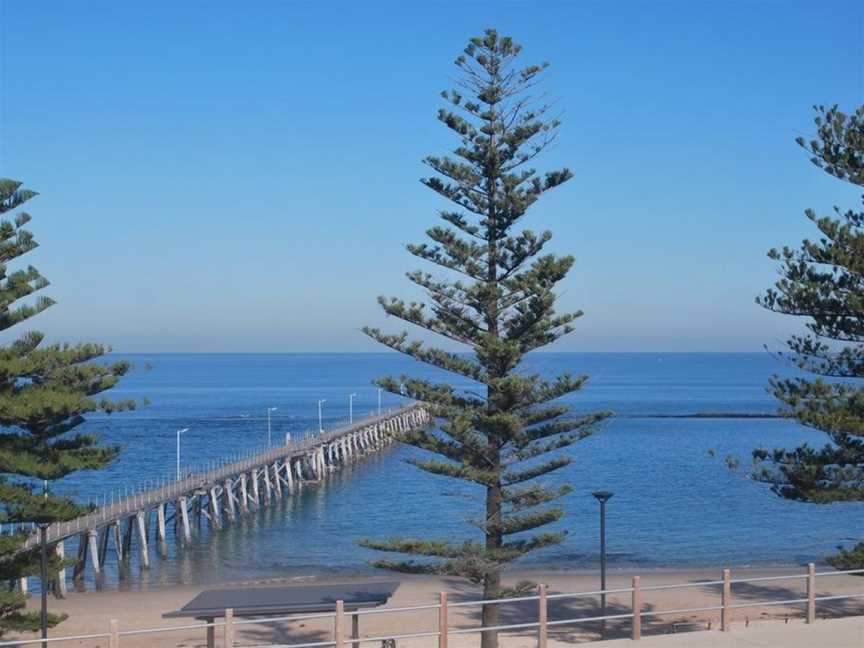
<point x="220" y="496"/>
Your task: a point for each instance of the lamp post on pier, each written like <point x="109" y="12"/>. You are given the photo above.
<point x="179" y="432"/>
<point x="379" y="401"/>
<point x="603" y="497"/>
<point x="269" y="409"/>
<point x="351" y="408"/>
<point x="320" y="415"/>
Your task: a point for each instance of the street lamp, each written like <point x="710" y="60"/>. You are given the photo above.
<point x="351" y="408"/>
<point x="269" y="409"/>
<point x="43" y="617"/>
<point x="320" y="419"/>
<point x="603" y="497"/>
<point x="43" y="542"/>
<point x="179" y="432"/>
<point x="379" y="401"/>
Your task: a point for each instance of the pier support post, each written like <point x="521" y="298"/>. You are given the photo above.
<point x="93" y="550"/>
<point x="289" y="478"/>
<point x="103" y="544"/>
<point x="266" y="474"/>
<point x="255" y="495"/>
<point x="276" y="484"/>
<point x="127" y="537"/>
<point x="636" y="629"/>
<point x="142" y="539"/>
<point x="229" y="500"/>
<point x="160" y="523"/>
<point x="244" y="495"/>
<point x="161" y="535"/>
<point x="81" y="563"/>
<point x="215" y="513"/>
<point x="184" y="518"/>
<point x="60" y="589"/>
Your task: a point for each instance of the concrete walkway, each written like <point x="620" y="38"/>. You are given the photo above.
<point x="833" y="633"/>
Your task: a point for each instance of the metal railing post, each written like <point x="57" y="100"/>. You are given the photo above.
<point x="726" y="601"/>
<point x="811" y="593"/>
<point x="228" y="641"/>
<point x="542" y="617"/>
<point x="339" y="625"/>
<point x="113" y="634"/>
<point x="636" y="601"/>
<point x="442" y="620"/>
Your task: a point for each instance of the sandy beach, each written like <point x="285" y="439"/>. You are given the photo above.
<point x="90" y="612"/>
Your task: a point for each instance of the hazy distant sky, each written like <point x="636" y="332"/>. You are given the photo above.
<point x="229" y="176"/>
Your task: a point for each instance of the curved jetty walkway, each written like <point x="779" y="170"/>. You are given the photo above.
<point x="220" y="495"/>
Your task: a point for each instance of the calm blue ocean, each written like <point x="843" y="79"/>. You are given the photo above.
<point x="674" y="504"/>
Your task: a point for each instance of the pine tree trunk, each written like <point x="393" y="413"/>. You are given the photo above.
<point x="492" y="581"/>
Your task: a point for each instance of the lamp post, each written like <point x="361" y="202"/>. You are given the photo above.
<point x="603" y="497"/>
<point x="179" y="432"/>
<point x="269" y="409"/>
<point x="351" y="408"/>
<point x="320" y="415"/>
<point x="43" y="617"/>
<point x="379" y="401"/>
<point x="43" y="575"/>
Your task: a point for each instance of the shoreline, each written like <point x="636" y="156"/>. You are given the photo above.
<point x="529" y="572"/>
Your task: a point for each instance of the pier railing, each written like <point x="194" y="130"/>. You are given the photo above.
<point x="540" y="628"/>
<point x="171" y="490"/>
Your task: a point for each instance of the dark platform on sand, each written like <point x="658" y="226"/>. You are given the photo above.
<point x="294" y="599"/>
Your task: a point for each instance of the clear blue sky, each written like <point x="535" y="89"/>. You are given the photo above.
<point x="224" y="176"/>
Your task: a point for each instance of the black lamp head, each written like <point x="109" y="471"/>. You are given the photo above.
<point x="603" y="496"/>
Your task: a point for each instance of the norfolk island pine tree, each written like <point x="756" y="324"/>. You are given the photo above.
<point x="823" y="282"/>
<point x="45" y="391"/>
<point x="496" y="300"/>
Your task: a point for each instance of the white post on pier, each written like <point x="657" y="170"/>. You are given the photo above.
<point x="184" y="517"/>
<point x="142" y="539"/>
<point x="118" y="541"/>
<point x="321" y="415"/>
<point x="93" y="547"/>
<point x="351" y="408"/>
<point x="179" y="432"/>
<point x="160" y="524"/>
<point x="255" y="496"/>
<point x="244" y="495"/>
<point x="276" y="484"/>
<point x="269" y="431"/>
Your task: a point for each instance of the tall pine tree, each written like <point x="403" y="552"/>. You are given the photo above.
<point x="45" y="391"/>
<point x="823" y="281"/>
<point x="496" y="300"/>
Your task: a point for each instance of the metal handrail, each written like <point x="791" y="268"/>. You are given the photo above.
<point x="473" y="630"/>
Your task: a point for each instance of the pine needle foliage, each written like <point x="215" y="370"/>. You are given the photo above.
<point x="823" y="281"/>
<point x="495" y="298"/>
<point x="45" y="391"/>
